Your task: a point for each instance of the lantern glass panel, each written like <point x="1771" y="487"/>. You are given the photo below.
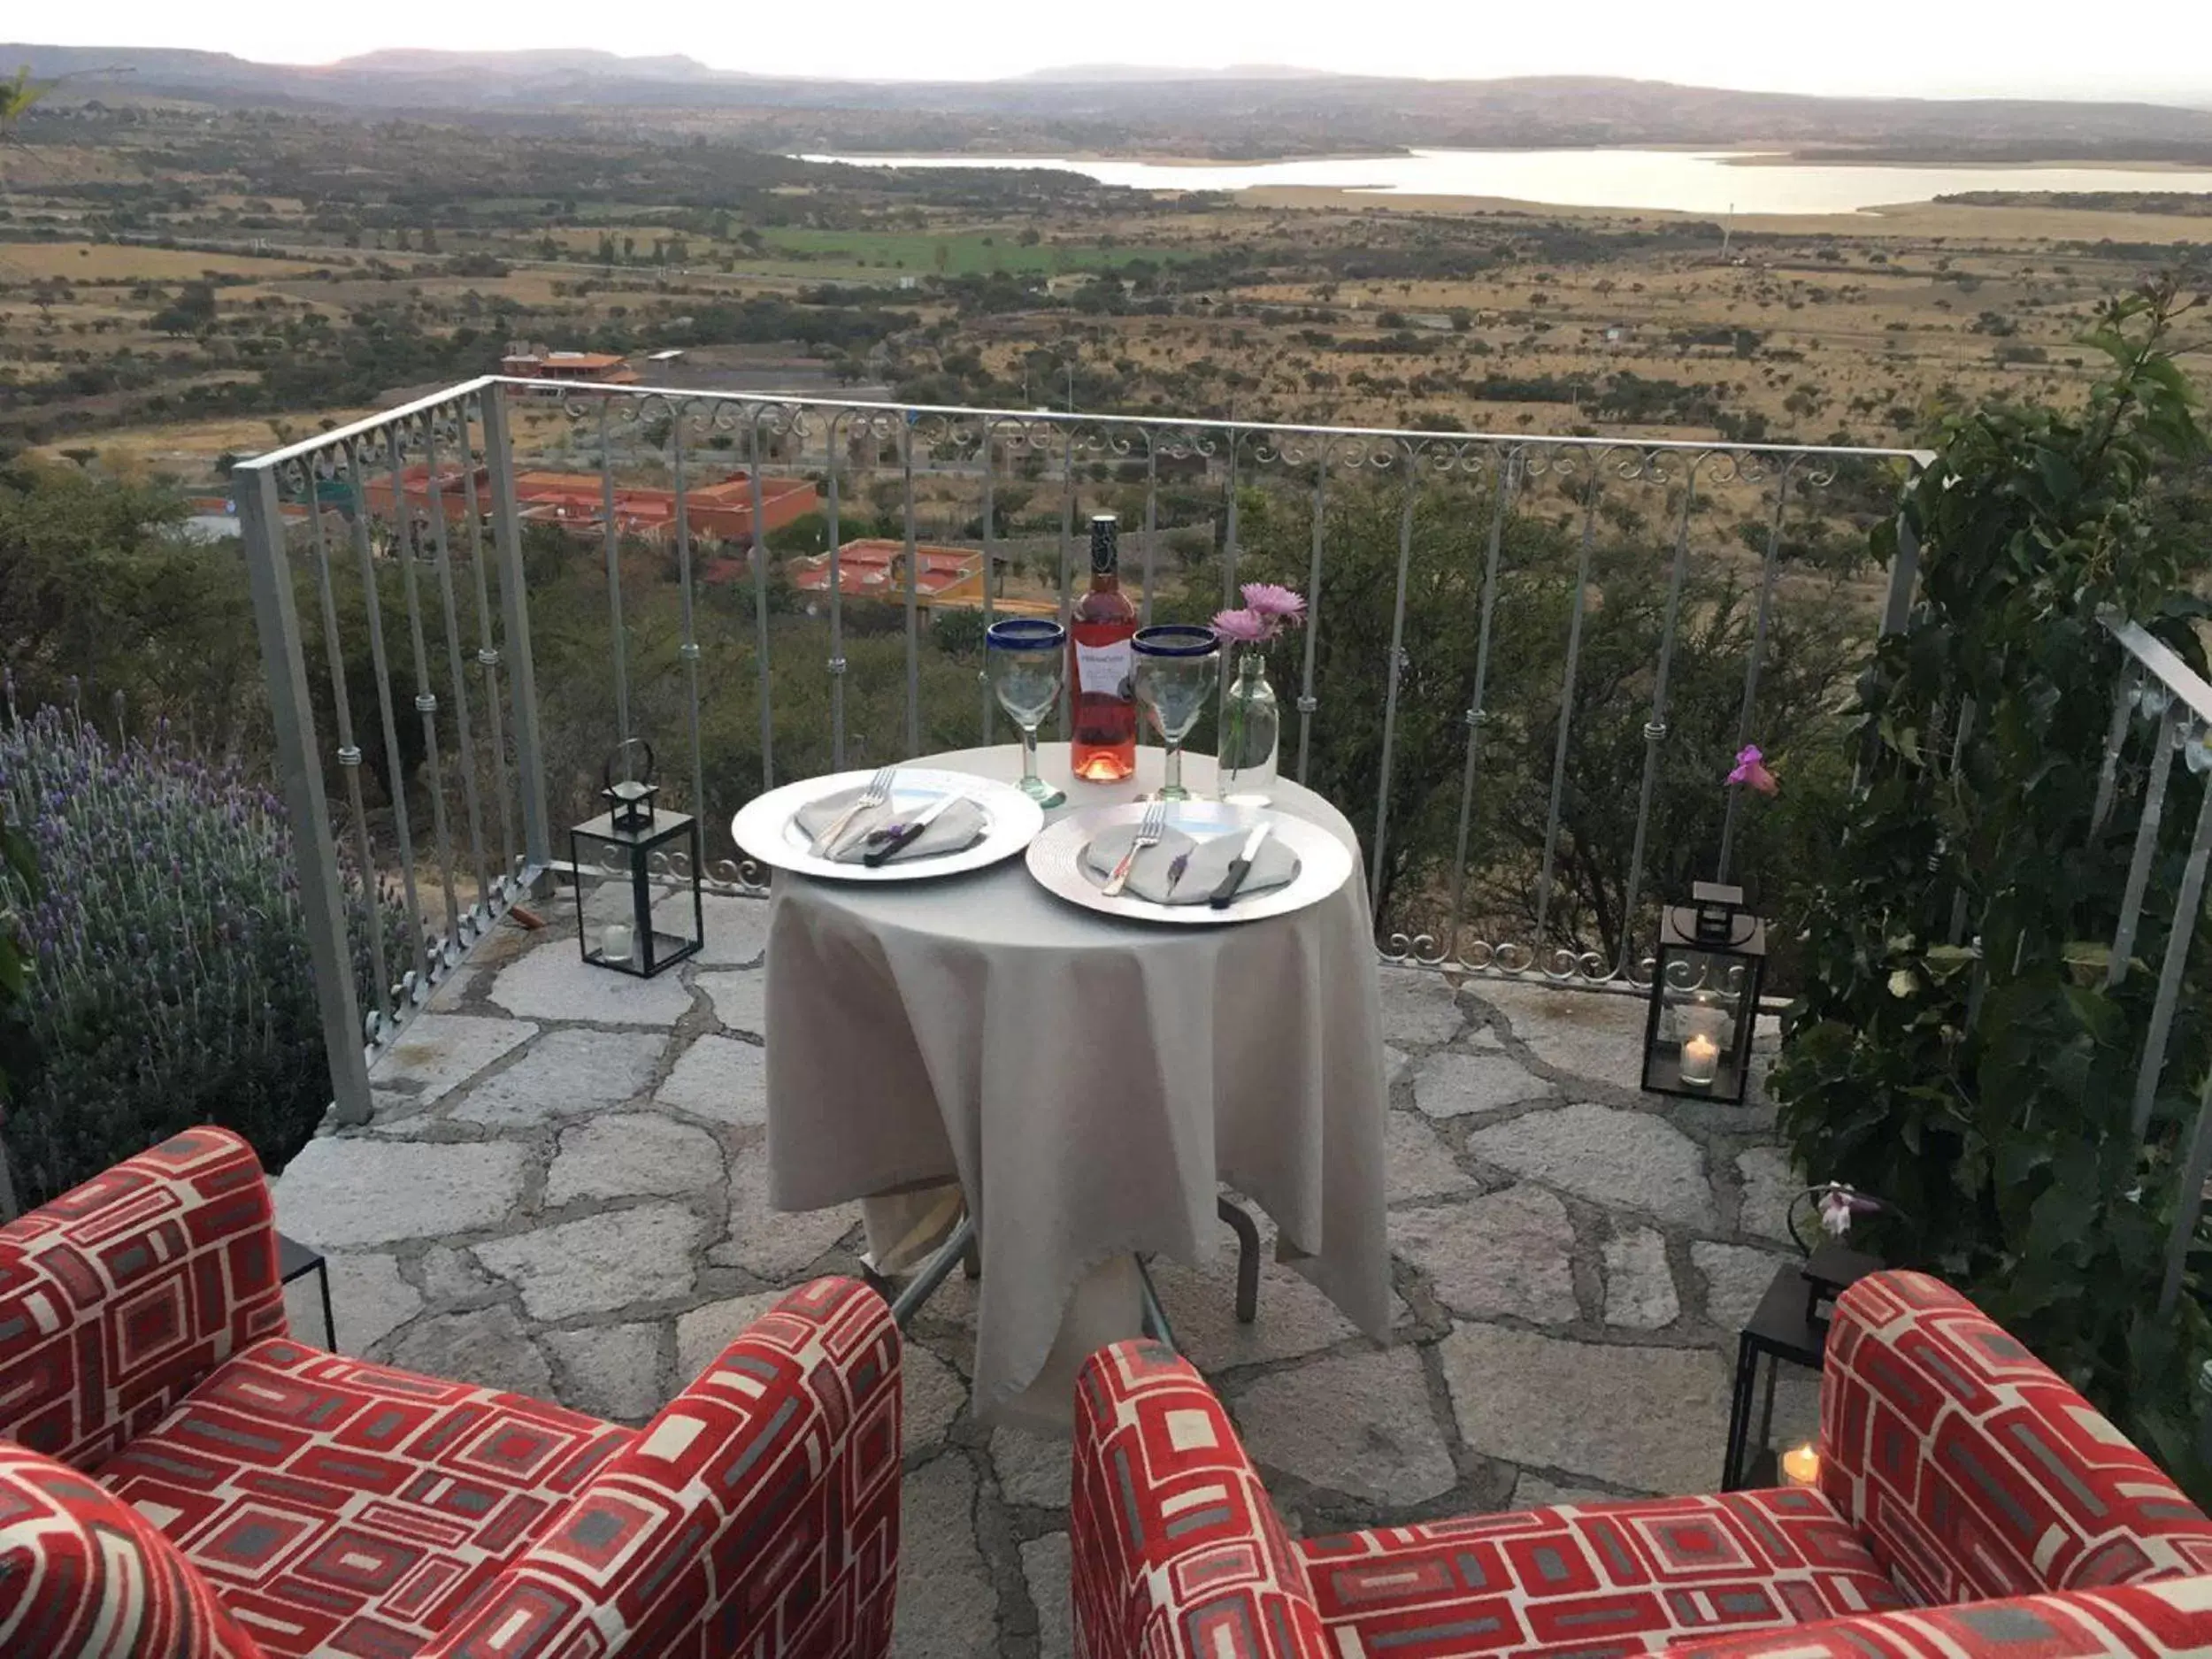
<point x="638" y="906"/>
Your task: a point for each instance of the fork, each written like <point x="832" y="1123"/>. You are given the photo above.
<point x="875" y="794"/>
<point x="1148" y="833"/>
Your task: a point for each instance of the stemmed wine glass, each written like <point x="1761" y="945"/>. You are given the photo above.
<point x="1027" y="657"/>
<point x="1177" y="665"/>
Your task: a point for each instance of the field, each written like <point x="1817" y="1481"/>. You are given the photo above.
<point x="306" y="273"/>
<point x="117" y="263"/>
<point x="961" y="253"/>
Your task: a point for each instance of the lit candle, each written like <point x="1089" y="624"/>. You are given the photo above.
<point x="1701" y="1060"/>
<point x="615" y="943"/>
<point x="1800" y="1466"/>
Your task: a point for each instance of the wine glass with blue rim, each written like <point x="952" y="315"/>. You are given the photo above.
<point x="1178" y="664"/>
<point x="1028" y="659"/>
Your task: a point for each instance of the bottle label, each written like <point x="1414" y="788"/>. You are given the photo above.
<point x="1104" y="671"/>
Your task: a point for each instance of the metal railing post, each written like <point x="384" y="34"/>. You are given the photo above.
<point x="314" y="850"/>
<point x="1904" y="568"/>
<point x="514" y="598"/>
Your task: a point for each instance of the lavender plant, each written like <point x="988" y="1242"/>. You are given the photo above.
<point x="170" y="983"/>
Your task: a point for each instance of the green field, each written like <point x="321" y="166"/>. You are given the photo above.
<point x="967" y="253"/>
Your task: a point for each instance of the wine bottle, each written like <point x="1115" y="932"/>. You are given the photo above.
<point x="1102" y="666"/>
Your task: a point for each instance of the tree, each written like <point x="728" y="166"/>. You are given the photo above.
<point x="96" y="588"/>
<point x="17" y="96"/>
<point x="192" y="312"/>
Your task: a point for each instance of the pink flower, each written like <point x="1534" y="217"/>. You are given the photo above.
<point x="1248" y="627"/>
<point x="1277" y="603"/>
<point x="1751" y="769"/>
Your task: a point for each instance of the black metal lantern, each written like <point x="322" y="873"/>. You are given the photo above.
<point x="619" y="856"/>
<point x="1705" y="997"/>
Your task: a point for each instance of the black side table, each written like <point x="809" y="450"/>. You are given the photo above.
<point x="1790" y="1326"/>
<point x="296" y="1259"/>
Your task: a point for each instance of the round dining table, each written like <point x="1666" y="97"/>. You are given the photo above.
<point x="1088" y="1082"/>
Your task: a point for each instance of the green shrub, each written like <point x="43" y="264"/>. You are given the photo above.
<point x="170" y="983"/>
<point x="1958" y="1049"/>
<point x="957" y="632"/>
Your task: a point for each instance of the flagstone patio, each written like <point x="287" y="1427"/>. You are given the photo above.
<point x="565" y="1192"/>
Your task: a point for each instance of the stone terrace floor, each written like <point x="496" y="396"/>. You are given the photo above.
<point x="564" y="1193"/>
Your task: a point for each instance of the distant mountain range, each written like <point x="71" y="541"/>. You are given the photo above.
<point x="1103" y="74"/>
<point x="550" y="61"/>
<point x="1249" y="111"/>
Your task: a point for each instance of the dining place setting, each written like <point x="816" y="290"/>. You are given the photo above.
<point x="1173" y="859"/>
<point x="1054" y="996"/>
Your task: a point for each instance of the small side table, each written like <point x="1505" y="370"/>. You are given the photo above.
<point x="296" y="1259"/>
<point x="1789" y="1326"/>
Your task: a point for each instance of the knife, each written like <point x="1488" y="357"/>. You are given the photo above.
<point x="901" y="834"/>
<point x="1239" y="867"/>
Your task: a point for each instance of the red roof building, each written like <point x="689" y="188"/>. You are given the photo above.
<point x="949" y="577"/>
<point x="601" y="368"/>
<point x="875" y="568"/>
<point x="721" y="511"/>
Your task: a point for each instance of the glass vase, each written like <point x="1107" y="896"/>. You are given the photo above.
<point x="1251" y="723"/>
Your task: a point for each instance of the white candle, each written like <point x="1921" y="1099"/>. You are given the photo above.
<point x="1800" y="1466"/>
<point x="616" y="943"/>
<point x="1701" y="1060"/>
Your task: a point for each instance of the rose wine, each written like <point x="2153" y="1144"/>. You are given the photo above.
<point x="1102" y="665"/>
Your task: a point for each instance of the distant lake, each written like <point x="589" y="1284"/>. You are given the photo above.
<point x="1681" y="180"/>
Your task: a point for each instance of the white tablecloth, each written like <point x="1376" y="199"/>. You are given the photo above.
<point x="1086" y="1080"/>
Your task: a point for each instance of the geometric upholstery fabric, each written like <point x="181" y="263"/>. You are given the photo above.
<point x="2169" y="1620"/>
<point x="337" y="1507"/>
<point x="1972" y="1469"/>
<point x="1628" y="1577"/>
<point x="85" y="1577"/>
<point x="1177" y="1550"/>
<point x="758" y="1514"/>
<point x="1972" y="1506"/>
<point x="119" y="1296"/>
<point x="254" y="1498"/>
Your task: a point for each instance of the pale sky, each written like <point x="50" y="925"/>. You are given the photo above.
<point x="2146" y="49"/>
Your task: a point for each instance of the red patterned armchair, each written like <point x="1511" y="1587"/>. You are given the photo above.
<point x="1971" y="1504"/>
<point x="180" y="1478"/>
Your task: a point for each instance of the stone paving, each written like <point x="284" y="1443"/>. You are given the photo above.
<point x="563" y="1192"/>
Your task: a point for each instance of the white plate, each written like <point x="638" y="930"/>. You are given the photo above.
<point x="1056" y="858"/>
<point x="767" y="826"/>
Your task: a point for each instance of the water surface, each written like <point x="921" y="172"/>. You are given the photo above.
<point x="1707" y="182"/>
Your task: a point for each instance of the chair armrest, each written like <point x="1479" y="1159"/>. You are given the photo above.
<point x="119" y="1296"/>
<point x="757" y="1513"/>
<point x="1971" y="1470"/>
<point x="1177" y="1550"/>
<point x="85" y="1574"/>
<point x="2147" y="1620"/>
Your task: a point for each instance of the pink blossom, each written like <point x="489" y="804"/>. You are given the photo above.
<point x="1840" y="1205"/>
<point x="1248" y="627"/>
<point x="1275" y="602"/>
<point x="1751" y="769"/>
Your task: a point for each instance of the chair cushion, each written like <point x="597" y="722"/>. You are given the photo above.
<point x="85" y="1577"/>
<point x="1593" y="1579"/>
<point x="343" y="1508"/>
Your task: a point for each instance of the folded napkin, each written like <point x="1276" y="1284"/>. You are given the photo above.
<point x="958" y="827"/>
<point x="1276" y="866"/>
